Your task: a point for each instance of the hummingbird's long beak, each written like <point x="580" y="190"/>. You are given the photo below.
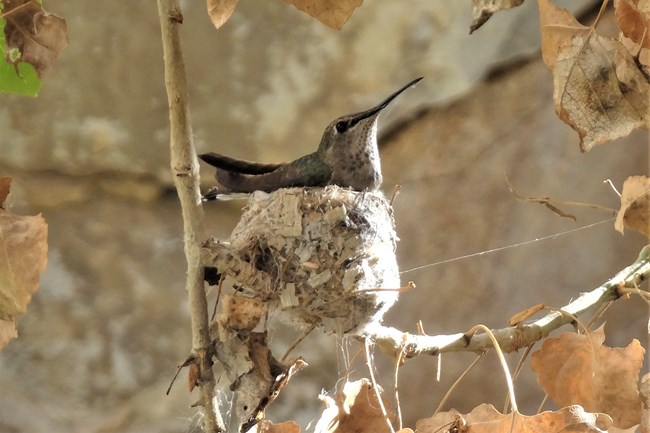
<point x="377" y="108"/>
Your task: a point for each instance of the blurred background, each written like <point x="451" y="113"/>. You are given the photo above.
<point x="103" y="335"/>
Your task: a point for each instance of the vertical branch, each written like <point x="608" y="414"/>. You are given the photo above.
<point x="185" y="171"/>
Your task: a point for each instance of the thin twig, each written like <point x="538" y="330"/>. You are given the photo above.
<point x="185" y="172"/>
<point x="375" y="387"/>
<point x="611" y="185"/>
<point x="502" y="360"/>
<point x="216" y="302"/>
<point x="598" y="314"/>
<point x="298" y="341"/>
<point x="553" y="205"/>
<point x="457" y="382"/>
<point x="398" y="407"/>
<point x="515" y="375"/>
<point x="393" y="196"/>
<point x="541" y="405"/>
<point x="601" y="11"/>
<point x="189" y="360"/>
<point x="409" y="286"/>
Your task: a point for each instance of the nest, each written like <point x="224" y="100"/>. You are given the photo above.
<point x="317" y="256"/>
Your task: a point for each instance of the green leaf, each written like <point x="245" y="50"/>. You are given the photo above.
<point x="21" y="79"/>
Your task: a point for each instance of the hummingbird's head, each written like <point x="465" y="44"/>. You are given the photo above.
<point x="357" y="129"/>
<point x="348" y="131"/>
<point x="349" y="147"/>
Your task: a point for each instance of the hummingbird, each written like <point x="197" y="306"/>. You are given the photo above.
<point x="347" y="156"/>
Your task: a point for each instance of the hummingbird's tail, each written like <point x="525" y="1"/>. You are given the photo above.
<point x="238" y="182"/>
<point x="237" y="165"/>
<point x="309" y="170"/>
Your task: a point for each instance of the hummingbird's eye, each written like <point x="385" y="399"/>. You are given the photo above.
<point x="341" y="127"/>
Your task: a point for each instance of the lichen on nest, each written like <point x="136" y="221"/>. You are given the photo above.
<point x="323" y="256"/>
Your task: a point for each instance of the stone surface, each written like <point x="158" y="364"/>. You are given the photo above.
<point x="454" y="201"/>
<point x="263" y="87"/>
<point x="102" y="337"/>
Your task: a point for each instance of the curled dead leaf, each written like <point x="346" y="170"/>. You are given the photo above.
<point x="520" y="317"/>
<point x="598" y="88"/>
<point x="33" y="35"/>
<point x="8" y="332"/>
<point x="193" y="376"/>
<point x="578" y="369"/>
<point x="266" y="426"/>
<point x="486" y="419"/>
<point x="260" y="355"/>
<point x="268" y="377"/>
<point x="482" y="10"/>
<point x="282" y="379"/>
<point x="332" y="13"/>
<point x="355" y="409"/>
<point x="241" y="313"/>
<point x="635" y="206"/>
<point x="644" y="392"/>
<point x="633" y="18"/>
<point x="633" y="429"/>
<point x="5" y="183"/>
<point x="23" y="257"/>
<point x="220" y="11"/>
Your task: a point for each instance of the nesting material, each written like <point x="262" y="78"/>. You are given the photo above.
<point x="323" y="256"/>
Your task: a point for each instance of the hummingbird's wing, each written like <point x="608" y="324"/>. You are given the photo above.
<point x="310" y="170"/>
<point x="237" y="165"/>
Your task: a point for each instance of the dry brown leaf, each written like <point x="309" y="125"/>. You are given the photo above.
<point x="193" y="376"/>
<point x="633" y="18"/>
<point x="355" y="410"/>
<point x="266" y="426"/>
<point x="635" y="205"/>
<point x="644" y="392"/>
<point x="5" y="183"/>
<point x="598" y="88"/>
<point x="8" y="332"/>
<point x="33" y="35"/>
<point x="241" y="313"/>
<point x="23" y="256"/>
<point x="220" y="11"/>
<point x="260" y="355"/>
<point x="482" y="10"/>
<point x="283" y="378"/>
<point x="518" y="318"/>
<point x="267" y="376"/>
<point x="486" y="419"/>
<point x="632" y="429"/>
<point x="332" y="13"/>
<point x="577" y="369"/>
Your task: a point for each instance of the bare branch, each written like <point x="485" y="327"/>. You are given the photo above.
<point x="185" y="171"/>
<point x="393" y="341"/>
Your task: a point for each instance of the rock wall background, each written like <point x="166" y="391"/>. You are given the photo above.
<point x="104" y="333"/>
